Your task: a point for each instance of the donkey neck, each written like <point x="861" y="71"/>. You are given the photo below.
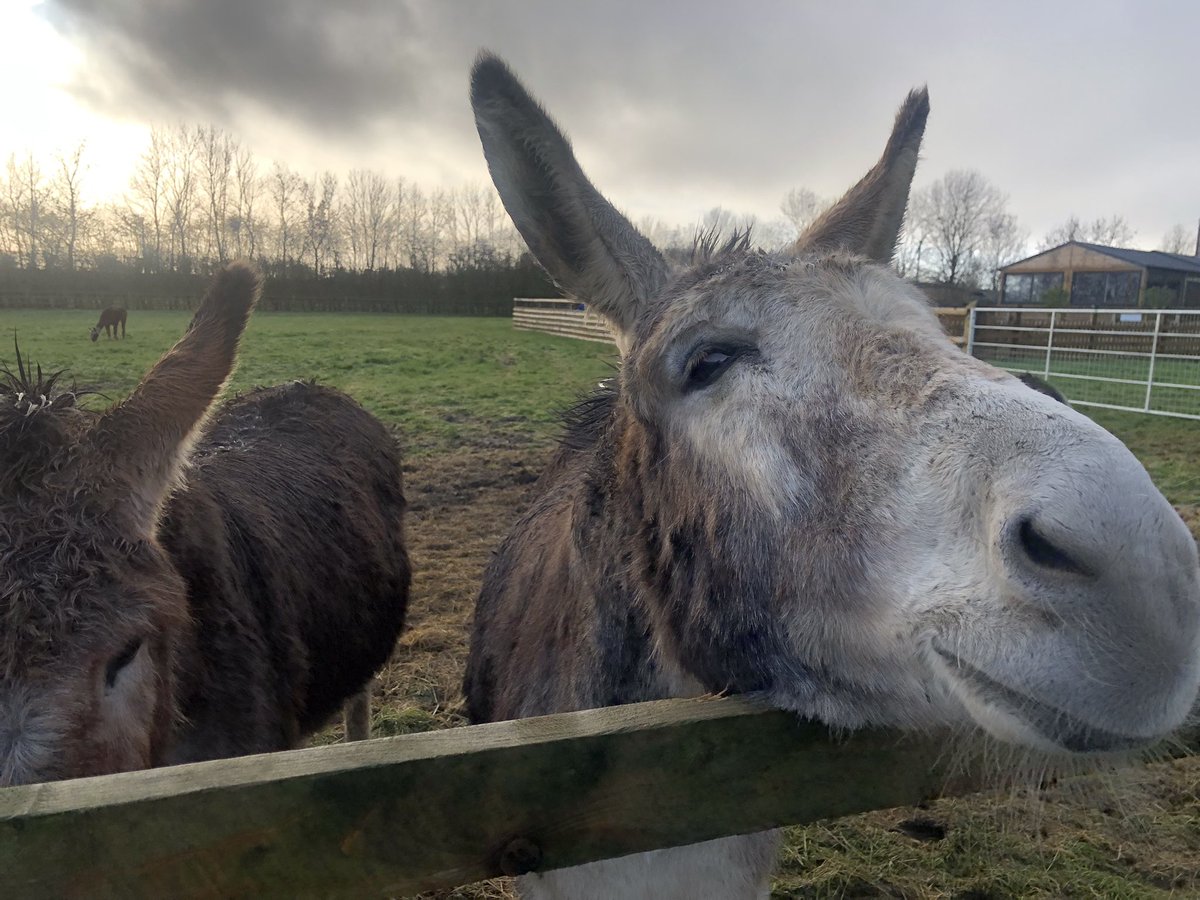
<point x="615" y="537"/>
<point x="667" y="579"/>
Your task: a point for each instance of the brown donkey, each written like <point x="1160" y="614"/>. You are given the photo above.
<point x="797" y="486"/>
<point x="174" y="588"/>
<point x="110" y="320"/>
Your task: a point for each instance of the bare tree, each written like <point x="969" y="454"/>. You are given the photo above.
<point x="22" y="208"/>
<point x="1005" y="241"/>
<point x="320" y="223"/>
<point x="148" y="200"/>
<point x="478" y="237"/>
<point x="800" y="207"/>
<point x="284" y="186"/>
<point x="365" y="213"/>
<point x="217" y="151"/>
<point x="468" y="220"/>
<point x="26" y="199"/>
<point x="64" y="193"/>
<point x="414" y="229"/>
<point x="244" y="222"/>
<point x="950" y="221"/>
<point x="493" y="216"/>
<point x="774" y="234"/>
<point x="720" y="220"/>
<point x="1113" y="231"/>
<point x="1179" y="240"/>
<point x="125" y="235"/>
<point x="1070" y="230"/>
<point x="394" y="248"/>
<point x="662" y="235"/>
<point x="441" y="226"/>
<point x="180" y="194"/>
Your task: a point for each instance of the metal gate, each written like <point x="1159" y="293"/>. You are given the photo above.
<point x="1140" y="360"/>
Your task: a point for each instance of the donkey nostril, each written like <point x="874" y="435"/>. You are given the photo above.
<point x="1043" y="552"/>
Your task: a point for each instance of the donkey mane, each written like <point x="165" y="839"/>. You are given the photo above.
<point x="30" y="389"/>
<point x="38" y="421"/>
<point x="590" y="417"/>
<point x="711" y="245"/>
<point x="39" y="424"/>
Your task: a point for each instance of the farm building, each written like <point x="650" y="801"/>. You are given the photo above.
<point x="1092" y="275"/>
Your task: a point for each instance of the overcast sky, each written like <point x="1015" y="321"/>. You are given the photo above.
<point x="1087" y="108"/>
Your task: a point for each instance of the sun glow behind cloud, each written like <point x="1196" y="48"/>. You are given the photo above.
<point x="43" y="117"/>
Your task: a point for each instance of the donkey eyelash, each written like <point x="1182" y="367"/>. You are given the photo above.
<point x="697" y="377"/>
<point x="119" y="662"/>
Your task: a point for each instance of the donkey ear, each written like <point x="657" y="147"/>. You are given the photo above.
<point x="867" y="220"/>
<point x="139" y="446"/>
<point x="587" y="247"/>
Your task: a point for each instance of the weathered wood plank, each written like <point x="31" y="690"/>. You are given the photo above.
<point x="595" y="328"/>
<point x="563" y="322"/>
<point x="400" y="815"/>
<point x="563" y="333"/>
<point x="561" y="315"/>
<point x="564" y="318"/>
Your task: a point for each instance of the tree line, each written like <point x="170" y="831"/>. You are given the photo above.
<point x="198" y="198"/>
<point x="960" y="230"/>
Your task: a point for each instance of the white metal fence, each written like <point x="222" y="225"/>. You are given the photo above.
<point x="1141" y="360"/>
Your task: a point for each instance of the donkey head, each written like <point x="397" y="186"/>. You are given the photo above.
<point x="91" y="610"/>
<point x="827" y="501"/>
<point x="95" y="333"/>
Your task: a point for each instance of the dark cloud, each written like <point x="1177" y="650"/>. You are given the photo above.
<point x="678" y="107"/>
<point x="329" y="65"/>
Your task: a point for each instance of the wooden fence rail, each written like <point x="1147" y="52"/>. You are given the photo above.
<point x="565" y="318"/>
<point x="954" y="321"/>
<point x="400" y="815"/>
<point x="560" y="316"/>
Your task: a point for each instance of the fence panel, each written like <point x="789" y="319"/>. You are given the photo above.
<point x="560" y="316"/>
<point x="954" y="321"/>
<point x="1139" y="360"/>
<point x="401" y="815"/>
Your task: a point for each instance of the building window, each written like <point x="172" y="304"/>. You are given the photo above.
<point x="1191" y="294"/>
<point x="1105" y="288"/>
<point x="1030" y="288"/>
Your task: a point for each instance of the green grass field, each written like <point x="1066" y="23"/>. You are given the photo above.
<point x="445" y="382"/>
<point x="474" y="402"/>
<point x="1064" y="364"/>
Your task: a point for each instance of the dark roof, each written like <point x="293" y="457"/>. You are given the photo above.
<point x="1149" y="259"/>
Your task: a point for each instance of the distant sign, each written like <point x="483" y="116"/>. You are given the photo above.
<point x="1131" y="317"/>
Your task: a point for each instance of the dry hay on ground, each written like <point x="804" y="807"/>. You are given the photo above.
<point x="461" y="504"/>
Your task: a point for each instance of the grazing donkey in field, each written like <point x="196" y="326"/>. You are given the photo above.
<point x="110" y="320"/>
<point x="172" y="592"/>
<point x="798" y="486"/>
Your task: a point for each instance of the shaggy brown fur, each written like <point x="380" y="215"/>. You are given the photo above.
<point x="110" y="319"/>
<point x="166" y="598"/>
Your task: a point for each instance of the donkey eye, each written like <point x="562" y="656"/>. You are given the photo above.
<point x="709" y="364"/>
<point x="120" y="661"/>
